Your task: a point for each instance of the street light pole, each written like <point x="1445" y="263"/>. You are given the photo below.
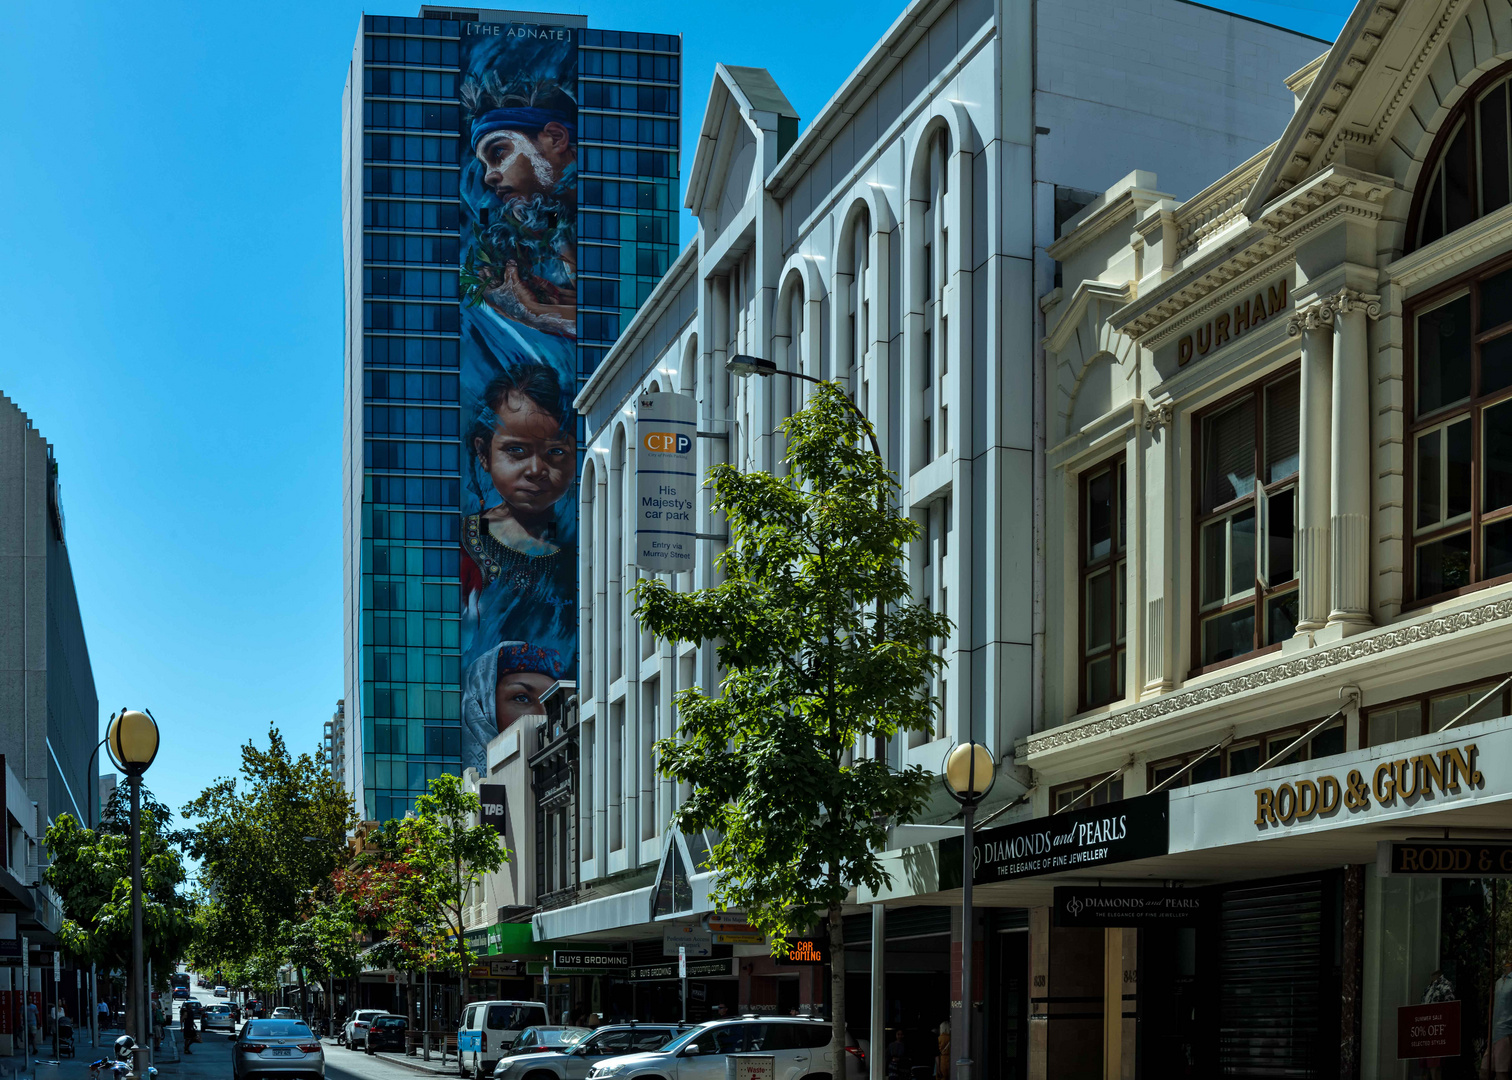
<point x="132" y="741"/>
<point x="969" y="775"/>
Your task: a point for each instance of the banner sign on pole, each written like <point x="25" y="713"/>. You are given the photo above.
<point x="682" y="961"/>
<point x="666" y="481"/>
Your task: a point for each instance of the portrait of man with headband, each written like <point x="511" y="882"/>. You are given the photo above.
<point x="523" y="138"/>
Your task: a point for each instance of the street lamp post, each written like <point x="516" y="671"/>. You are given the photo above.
<point x="969" y="776"/>
<point x="132" y="742"/>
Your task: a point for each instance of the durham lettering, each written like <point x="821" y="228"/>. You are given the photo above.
<point x="1184" y="350"/>
<point x="1277" y="297"/>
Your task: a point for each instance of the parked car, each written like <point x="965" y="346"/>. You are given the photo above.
<point x="270" y="1047"/>
<point x="385" y="1033"/>
<point x="573" y="1062"/>
<point x="220" y="991"/>
<point x="488" y="1029"/>
<point x="798" y="1046"/>
<point x="216" y="1016"/>
<point x="283" y="1012"/>
<point x="354" y="1031"/>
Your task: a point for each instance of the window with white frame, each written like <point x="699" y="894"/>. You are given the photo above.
<point x="1246" y="528"/>
<point x="1104" y="548"/>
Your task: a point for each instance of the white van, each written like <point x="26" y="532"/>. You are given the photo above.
<point x="488" y="1027"/>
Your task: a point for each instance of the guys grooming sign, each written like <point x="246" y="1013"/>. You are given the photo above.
<point x="666" y="481"/>
<point x="519" y="365"/>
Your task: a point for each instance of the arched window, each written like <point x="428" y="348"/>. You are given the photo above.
<point x="1470" y="171"/>
<point x="934" y="267"/>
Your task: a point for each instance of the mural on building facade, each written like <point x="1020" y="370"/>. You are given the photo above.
<point x="519" y="372"/>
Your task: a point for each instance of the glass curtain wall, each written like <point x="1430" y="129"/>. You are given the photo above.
<point x="630" y="95"/>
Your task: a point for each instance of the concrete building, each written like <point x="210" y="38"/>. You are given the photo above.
<point x="333" y="743"/>
<point x="402" y="454"/>
<point x="49" y="712"/>
<point x="1276" y="422"/>
<point x="898" y="244"/>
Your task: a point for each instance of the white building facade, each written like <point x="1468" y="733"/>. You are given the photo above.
<point x="1274" y="515"/>
<point x="899" y="245"/>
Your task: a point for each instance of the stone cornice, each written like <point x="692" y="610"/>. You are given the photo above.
<point x="1328" y="96"/>
<point x="1337" y="191"/>
<point x="1451" y="252"/>
<point x="1208" y="283"/>
<point x="1280" y="671"/>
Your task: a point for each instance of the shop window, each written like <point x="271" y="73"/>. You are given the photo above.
<point x="1468" y="175"/>
<point x="1461" y="438"/>
<point x="1247" y="499"/>
<point x="1426" y="713"/>
<point x="1063" y="796"/>
<point x="1104" y="544"/>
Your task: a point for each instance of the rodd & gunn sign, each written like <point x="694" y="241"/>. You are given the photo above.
<point x="1135" y="828"/>
<point x="1422" y="776"/>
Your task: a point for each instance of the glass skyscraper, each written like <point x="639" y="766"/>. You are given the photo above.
<point x="402" y="453"/>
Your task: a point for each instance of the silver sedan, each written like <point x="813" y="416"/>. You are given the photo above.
<point x="216" y="1016"/>
<point x="277" y="1047"/>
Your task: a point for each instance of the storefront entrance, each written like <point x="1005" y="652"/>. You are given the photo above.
<point x="1445" y="941"/>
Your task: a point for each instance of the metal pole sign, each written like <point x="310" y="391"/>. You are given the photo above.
<point x="666" y="482"/>
<point x="682" y="973"/>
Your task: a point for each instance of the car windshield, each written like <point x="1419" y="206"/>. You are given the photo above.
<point x="563" y="1036"/>
<point x="278" y="1029"/>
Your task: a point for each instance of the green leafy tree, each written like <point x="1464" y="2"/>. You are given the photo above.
<point x="445" y="857"/>
<point x="266" y="843"/>
<point x="321" y="946"/>
<point x="822" y="650"/>
<point x="91" y="873"/>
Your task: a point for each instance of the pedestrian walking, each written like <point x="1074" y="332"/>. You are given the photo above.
<point x="102" y="1014"/>
<point x="33" y="1024"/>
<point x="186" y="1021"/>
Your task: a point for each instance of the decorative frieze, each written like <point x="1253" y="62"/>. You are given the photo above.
<point x="1361" y="647"/>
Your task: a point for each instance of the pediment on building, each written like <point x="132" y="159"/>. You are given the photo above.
<point x="1377" y="98"/>
<point x="745" y="121"/>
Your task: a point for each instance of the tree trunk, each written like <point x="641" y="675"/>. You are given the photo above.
<point x="304" y="1004"/>
<point x="837" y="986"/>
<point x="461" y="938"/>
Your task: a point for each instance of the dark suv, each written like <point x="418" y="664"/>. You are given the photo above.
<point x="386" y="1033"/>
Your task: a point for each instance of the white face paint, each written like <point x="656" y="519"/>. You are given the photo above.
<point x="510" y="157"/>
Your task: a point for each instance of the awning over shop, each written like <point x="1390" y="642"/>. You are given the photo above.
<point x="1291" y="819"/>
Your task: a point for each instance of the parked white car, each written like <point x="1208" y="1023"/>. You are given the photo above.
<point x="797" y="1046"/>
<point x="354" y="1031"/>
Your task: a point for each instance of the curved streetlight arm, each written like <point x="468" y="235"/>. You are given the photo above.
<point x="745" y="366"/>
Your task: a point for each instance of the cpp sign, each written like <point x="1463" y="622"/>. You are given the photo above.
<point x="666" y="482"/>
<point x="667" y="442"/>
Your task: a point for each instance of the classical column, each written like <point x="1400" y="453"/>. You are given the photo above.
<point x="1351" y="450"/>
<point x="1156" y="534"/>
<point x="1315" y="326"/>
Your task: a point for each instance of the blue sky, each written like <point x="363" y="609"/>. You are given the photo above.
<point x="170" y="292"/>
